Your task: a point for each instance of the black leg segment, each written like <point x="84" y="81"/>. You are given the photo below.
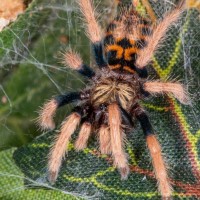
<point x="145" y="123"/>
<point x="67" y="98"/>
<point x="126" y="118"/>
<point x="98" y="53"/>
<point x="86" y="71"/>
<point x="144" y="92"/>
<point x="142" y="72"/>
<point x="86" y="113"/>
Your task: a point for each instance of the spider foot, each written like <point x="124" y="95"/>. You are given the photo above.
<point x="46" y="114"/>
<point x="52" y="176"/>
<point x="124" y="172"/>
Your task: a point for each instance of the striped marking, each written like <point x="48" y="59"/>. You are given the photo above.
<point x="132" y="42"/>
<point x="127" y="68"/>
<point x="129" y="53"/>
<point x="124" y="43"/>
<point x="118" y="39"/>
<point x="109" y="40"/>
<point x="115" y="66"/>
<point x="119" y="50"/>
<point x="109" y="33"/>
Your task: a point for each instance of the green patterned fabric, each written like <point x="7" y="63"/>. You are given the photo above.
<point x="90" y="175"/>
<point x="12" y="183"/>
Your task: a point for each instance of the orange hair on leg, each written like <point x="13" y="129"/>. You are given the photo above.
<point x="93" y="28"/>
<point x="46" y="114"/>
<point x="72" y="60"/>
<point x="176" y="89"/>
<point x="159" y="166"/>
<point x="104" y="140"/>
<point x="146" y="54"/>
<point x="83" y="137"/>
<point x="60" y="147"/>
<point x="118" y="153"/>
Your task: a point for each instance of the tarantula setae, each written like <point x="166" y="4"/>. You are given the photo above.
<point x="112" y="101"/>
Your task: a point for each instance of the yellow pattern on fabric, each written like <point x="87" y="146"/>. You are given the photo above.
<point x="131" y="154"/>
<point x="40" y="145"/>
<point x="93" y="179"/>
<point x="151" y="106"/>
<point x="198" y="134"/>
<point x="139" y="7"/>
<point x="164" y="73"/>
<point x="192" y="138"/>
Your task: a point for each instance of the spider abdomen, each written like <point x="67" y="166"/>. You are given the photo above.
<point x="126" y="36"/>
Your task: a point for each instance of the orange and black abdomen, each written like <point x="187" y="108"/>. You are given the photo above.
<point x="121" y="45"/>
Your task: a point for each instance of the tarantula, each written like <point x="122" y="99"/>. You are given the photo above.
<point x="112" y="101"/>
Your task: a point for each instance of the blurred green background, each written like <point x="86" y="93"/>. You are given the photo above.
<point x="30" y="69"/>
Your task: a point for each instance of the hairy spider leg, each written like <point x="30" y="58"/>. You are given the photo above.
<point x="87" y="121"/>
<point x="103" y="131"/>
<point x="93" y="31"/>
<point x="117" y="140"/>
<point x="47" y="112"/>
<point x="104" y="139"/>
<point x="68" y="98"/>
<point x="159" y="31"/>
<point x="67" y="129"/>
<point x="99" y="55"/>
<point x="73" y="60"/>
<point x="177" y="89"/>
<point x="156" y="155"/>
<point x="126" y="118"/>
<point x="83" y="136"/>
<point x="86" y="126"/>
<point x="59" y="149"/>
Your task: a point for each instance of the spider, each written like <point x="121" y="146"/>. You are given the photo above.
<point x="111" y="102"/>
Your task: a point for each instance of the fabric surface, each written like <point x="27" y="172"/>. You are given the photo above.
<point x="89" y="175"/>
<point x="12" y="183"/>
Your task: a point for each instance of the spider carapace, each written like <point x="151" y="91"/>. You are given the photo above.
<point x="111" y="102"/>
